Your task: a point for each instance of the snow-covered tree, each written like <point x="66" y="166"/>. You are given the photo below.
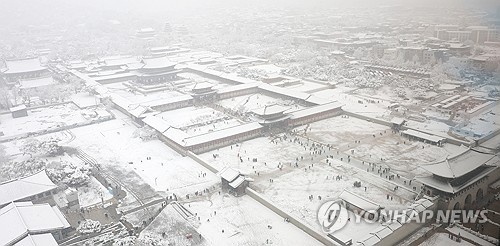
<point x="3" y="155"/>
<point x="145" y="133"/>
<point x="359" y="53"/>
<point x="33" y="146"/>
<point x="68" y="173"/>
<point x="4" y="98"/>
<point x="256" y="74"/>
<point x="12" y="170"/>
<point x="145" y="239"/>
<point x="89" y="226"/>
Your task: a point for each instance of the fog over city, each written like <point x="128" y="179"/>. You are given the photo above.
<point x="258" y="122"/>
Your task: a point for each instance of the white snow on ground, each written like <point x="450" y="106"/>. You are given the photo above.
<point x="244" y="220"/>
<point x="112" y="144"/>
<point x="268" y="155"/>
<point x="338" y="93"/>
<point x="198" y="78"/>
<point x="175" y="228"/>
<point x="137" y="97"/>
<point x="354" y="230"/>
<point x="92" y="193"/>
<point x="84" y="99"/>
<point x="138" y="217"/>
<point x="292" y="185"/>
<point x="440" y="239"/>
<point x="12" y="148"/>
<point x="337" y="130"/>
<point x="291" y="190"/>
<point x="254" y="101"/>
<point x="40" y="119"/>
<point x="465" y="234"/>
<point x="385" y="94"/>
<point x="306" y="86"/>
<point x="357" y="103"/>
<point x="270" y="69"/>
<point x="376" y="142"/>
<point x="214" y="126"/>
<point x="433" y="127"/>
<point x="198" y="120"/>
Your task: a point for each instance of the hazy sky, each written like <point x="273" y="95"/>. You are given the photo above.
<point x="22" y="12"/>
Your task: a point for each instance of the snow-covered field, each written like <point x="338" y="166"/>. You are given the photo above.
<point x="137" y="97"/>
<point x="46" y="118"/>
<point x="175" y="227"/>
<point x="306" y="86"/>
<point x="430" y="126"/>
<point x="113" y="145"/>
<point x="440" y="239"/>
<point x="248" y="103"/>
<point x="84" y="99"/>
<point x="375" y="142"/>
<point x="12" y="148"/>
<point x="270" y="69"/>
<point x="303" y="173"/>
<point x="92" y="193"/>
<point x="342" y="130"/>
<point x="198" y="120"/>
<point x="352" y="102"/>
<point x="292" y="189"/>
<point x="245" y="222"/>
<point x="214" y="126"/>
<point x="191" y="116"/>
<point x="397" y="152"/>
<point x="198" y="78"/>
<point x="337" y="93"/>
<point x="467" y="234"/>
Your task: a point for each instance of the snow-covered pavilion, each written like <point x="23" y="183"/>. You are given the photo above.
<point x="233" y="181"/>
<point x="203" y="92"/>
<point x="272" y="116"/>
<point x="156" y="70"/>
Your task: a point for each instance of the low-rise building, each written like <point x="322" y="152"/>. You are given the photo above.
<point x="233" y="181"/>
<point x="21" y="222"/>
<point x="35" y="187"/>
<point x="28" y="68"/>
<point x="19" y="111"/>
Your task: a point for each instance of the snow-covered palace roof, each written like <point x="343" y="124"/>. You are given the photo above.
<point x="270" y="110"/>
<point x="18" y="108"/>
<point x="229" y="174"/>
<point x="17" y="189"/>
<point x="461" y="164"/>
<point x="459" y="172"/>
<point x="156" y="62"/>
<point x="421" y="135"/>
<point x="23" y="66"/>
<point x="20" y="219"/>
